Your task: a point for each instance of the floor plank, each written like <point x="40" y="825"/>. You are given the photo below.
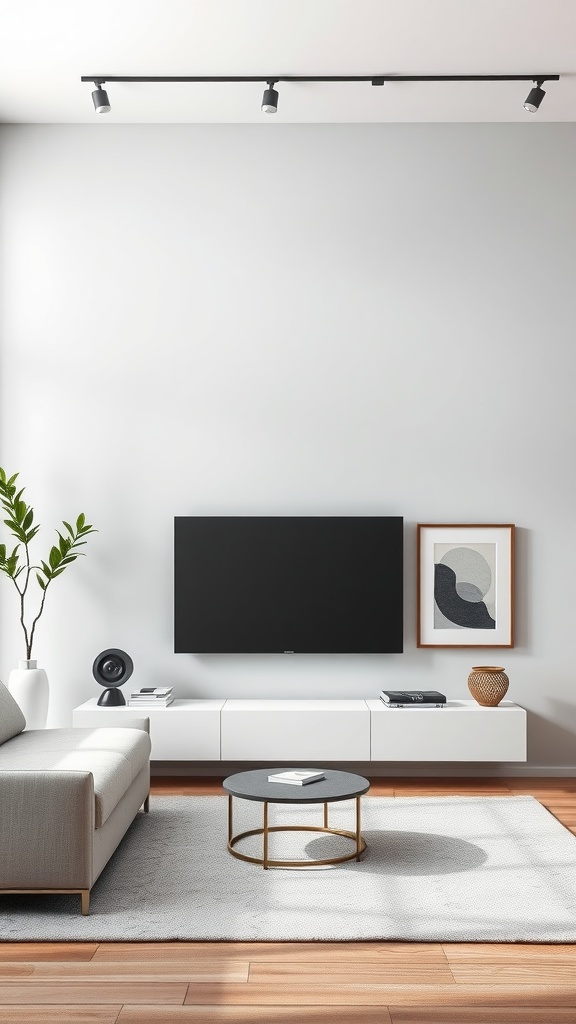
<point x="128" y="971"/>
<point x="531" y="783"/>
<point x="167" y="785"/>
<point x="254" y="1015"/>
<point x="77" y="1014"/>
<point x="97" y="992"/>
<point x="276" y="952"/>
<point x="482" y="1015"/>
<point x="548" y="972"/>
<point x="364" y="973"/>
<point x="320" y="993"/>
<point x="47" y="951"/>
<point x="508" y="952"/>
<point x="11" y="972"/>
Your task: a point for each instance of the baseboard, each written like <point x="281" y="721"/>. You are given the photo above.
<point x="221" y="769"/>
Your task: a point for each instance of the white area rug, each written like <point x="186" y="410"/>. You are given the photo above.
<point x="436" y="869"/>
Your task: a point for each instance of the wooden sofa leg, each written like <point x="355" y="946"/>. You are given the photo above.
<point x="147" y="804"/>
<point x="85" y="895"/>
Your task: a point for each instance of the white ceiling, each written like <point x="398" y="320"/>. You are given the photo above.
<point x="46" y="45"/>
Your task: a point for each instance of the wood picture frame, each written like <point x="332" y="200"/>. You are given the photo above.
<point x="465" y="589"/>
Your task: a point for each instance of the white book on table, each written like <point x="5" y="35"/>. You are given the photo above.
<point x="153" y="693"/>
<point x="297" y="778"/>
<point x="150" y="703"/>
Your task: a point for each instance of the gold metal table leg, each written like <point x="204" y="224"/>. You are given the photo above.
<point x="325" y="815"/>
<point x="229" y="818"/>
<point x="358" y="835"/>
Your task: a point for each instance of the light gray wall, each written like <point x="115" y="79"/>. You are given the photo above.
<point x="301" y="320"/>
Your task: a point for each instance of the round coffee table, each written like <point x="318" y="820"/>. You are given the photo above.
<point x="335" y="786"/>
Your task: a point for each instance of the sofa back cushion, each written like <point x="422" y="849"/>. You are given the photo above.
<point x="12" y="720"/>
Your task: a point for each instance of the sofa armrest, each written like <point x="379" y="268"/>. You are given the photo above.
<point x="46" y="829"/>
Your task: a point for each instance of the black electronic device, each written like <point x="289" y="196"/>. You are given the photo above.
<point x="112" y="668"/>
<point x="288" y="584"/>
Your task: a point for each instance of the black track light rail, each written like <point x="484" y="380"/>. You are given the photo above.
<point x="375" y="79"/>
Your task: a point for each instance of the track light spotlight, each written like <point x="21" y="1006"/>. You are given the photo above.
<point x="100" y="99"/>
<point x="534" y="98"/>
<point x="270" y="99"/>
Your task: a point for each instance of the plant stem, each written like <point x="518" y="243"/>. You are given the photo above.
<point x="31" y="641"/>
<point x="24" y="589"/>
<point x="23" y="624"/>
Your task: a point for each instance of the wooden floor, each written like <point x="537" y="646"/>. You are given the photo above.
<point x="302" y="983"/>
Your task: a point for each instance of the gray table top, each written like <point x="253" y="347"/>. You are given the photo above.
<point x="254" y="785"/>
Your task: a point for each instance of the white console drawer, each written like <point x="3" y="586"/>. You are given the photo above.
<point x="187" y="730"/>
<point x="461" y="731"/>
<point x="295" y="730"/>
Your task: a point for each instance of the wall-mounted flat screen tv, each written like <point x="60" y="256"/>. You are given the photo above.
<point x="288" y="584"/>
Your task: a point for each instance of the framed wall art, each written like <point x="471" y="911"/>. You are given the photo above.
<point x="465" y="585"/>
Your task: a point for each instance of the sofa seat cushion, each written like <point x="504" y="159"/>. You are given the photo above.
<point x="114" y="756"/>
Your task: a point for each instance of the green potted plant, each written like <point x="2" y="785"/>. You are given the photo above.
<point x="28" y="683"/>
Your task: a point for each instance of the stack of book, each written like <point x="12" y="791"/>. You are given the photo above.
<point x="297" y="778"/>
<point x="412" y="698"/>
<point x="151" y="697"/>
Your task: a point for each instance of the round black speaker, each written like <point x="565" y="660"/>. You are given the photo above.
<point x="111" y="669"/>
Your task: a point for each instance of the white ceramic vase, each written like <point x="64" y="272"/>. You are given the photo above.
<point x="28" y="684"/>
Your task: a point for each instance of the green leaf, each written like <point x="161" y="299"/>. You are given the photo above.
<point x="80" y="521"/>
<point x="20" y="510"/>
<point x="68" y="527"/>
<point x="46" y="570"/>
<point x="41" y="582"/>
<point x="30" y="536"/>
<point x="64" y="544"/>
<point x="69" y="558"/>
<point x="2" y="552"/>
<point x="10" y="523"/>
<point x="57" y="573"/>
<point x="54" y="558"/>
<point x="2" y="475"/>
<point x="27" y="523"/>
<point x="10" y="482"/>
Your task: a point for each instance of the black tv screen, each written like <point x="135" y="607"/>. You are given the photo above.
<point x="288" y="584"/>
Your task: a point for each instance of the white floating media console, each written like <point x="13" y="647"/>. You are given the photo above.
<point x="323" y="730"/>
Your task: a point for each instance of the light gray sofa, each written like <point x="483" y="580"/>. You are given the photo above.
<point x="67" y="797"/>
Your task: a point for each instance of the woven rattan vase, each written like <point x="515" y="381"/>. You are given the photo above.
<point x="488" y="684"/>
